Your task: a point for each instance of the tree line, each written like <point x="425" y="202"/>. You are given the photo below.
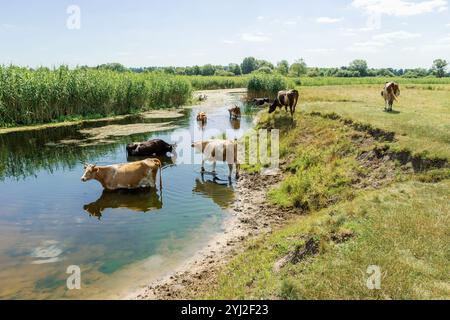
<point x="357" y="68"/>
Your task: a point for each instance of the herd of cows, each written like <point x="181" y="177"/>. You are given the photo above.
<point x="143" y="173"/>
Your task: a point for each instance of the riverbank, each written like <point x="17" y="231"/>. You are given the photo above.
<point x="345" y="189"/>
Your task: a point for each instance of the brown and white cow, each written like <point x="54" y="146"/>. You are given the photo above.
<point x="219" y="150"/>
<point x="235" y="112"/>
<point x="286" y="99"/>
<point x="135" y="175"/>
<point x="390" y="93"/>
<point x="202" y="119"/>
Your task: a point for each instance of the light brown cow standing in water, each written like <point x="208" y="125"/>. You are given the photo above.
<point x="390" y="93"/>
<point x="219" y="150"/>
<point x="135" y="175"/>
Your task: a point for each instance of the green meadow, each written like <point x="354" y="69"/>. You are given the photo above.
<point x="360" y="202"/>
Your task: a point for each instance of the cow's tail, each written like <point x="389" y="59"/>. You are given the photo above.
<point x="159" y="164"/>
<point x="160" y="175"/>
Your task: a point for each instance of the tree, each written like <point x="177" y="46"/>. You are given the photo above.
<point x="265" y="70"/>
<point x="113" y="66"/>
<point x="208" y="70"/>
<point x="235" y="68"/>
<point x="298" y="68"/>
<point x="359" y="66"/>
<point x="265" y="63"/>
<point x="283" y="67"/>
<point x="439" y="67"/>
<point x="249" y="65"/>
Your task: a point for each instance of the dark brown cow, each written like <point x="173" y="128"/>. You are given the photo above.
<point x="286" y="99"/>
<point x="261" y="101"/>
<point x="390" y="93"/>
<point x="152" y="148"/>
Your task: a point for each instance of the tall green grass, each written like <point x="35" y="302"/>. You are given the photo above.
<point x="266" y="86"/>
<point x="217" y="82"/>
<point x="44" y="95"/>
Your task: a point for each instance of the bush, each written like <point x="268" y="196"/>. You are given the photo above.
<point x="261" y="85"/>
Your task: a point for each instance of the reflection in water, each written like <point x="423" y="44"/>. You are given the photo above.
<point x="24" y="153"/>
<point x="220" y="191"/>
<point x="143" y="200"/>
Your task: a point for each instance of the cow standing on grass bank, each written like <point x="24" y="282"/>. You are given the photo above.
<point x="390" y="93"/>
<point x="135" y="175"/>
<point x="286" y="99"/>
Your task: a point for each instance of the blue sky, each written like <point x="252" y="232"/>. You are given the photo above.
<point x="387" y="33"/>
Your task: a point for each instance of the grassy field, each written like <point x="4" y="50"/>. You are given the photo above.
<point x="357" y="207"/>
<point x="421" y="118"/>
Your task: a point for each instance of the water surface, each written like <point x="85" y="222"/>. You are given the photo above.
<point x="49" y="220"/>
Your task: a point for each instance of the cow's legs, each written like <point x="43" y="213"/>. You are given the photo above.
<point x="230" y="168"/>
<point x="203" y="165"/>
<point x="214" y="167"/>
<point x="238" y="167"/>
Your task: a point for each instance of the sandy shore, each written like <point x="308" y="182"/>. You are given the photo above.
<point x="249" y="217"/>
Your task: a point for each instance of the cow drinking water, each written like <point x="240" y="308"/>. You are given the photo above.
<point x="285" y="99"/>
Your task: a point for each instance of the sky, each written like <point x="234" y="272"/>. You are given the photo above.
<point x="386" y="33"/>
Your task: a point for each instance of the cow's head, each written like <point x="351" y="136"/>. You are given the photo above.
<point x="273" y="106"/>
<point x="132" y="146"/>
<point x="90" y="172"/>
<point x="396" y="88"/>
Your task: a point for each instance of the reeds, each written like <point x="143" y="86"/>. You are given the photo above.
<point x="44" y="95"/>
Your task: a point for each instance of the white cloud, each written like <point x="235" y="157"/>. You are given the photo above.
<point x="328" y="20"/>
<point x="255" y="37"/>
<point x="260" y="18"/>
<point x="400" y="7"/>
<point x="228" y="41"/>
<point x="290" y="23"/>
<point x="380" y="41"/>
<point x="394" y="36"/>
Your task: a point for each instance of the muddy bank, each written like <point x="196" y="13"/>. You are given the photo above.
<point x="250" y="216"/>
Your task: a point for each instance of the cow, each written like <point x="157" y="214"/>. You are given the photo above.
<point x="390" y="93"/>
<point x="202" y="118"/>
<point x="142" y="200"/>
<point x="285" y="99"/>
<point x="261" y="101"/>
<point x="235" y="113"/>
<point x="151" y="148"/>
<point x="219" y="150"/>
<point x="135" y="175"/>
